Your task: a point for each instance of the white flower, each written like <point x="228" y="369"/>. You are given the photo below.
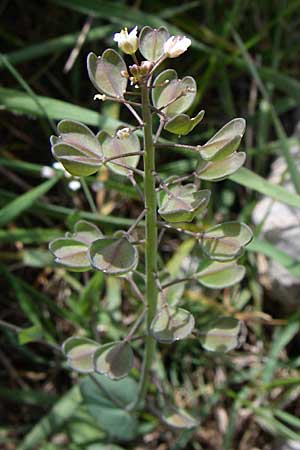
<point x="123" y="133"/>
<point x="74" y="185"/>
<point x="47" y="172"/>
<point x="176" y="45"/>
<point x="128" y="43"/>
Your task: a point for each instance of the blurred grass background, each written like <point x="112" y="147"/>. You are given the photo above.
<point x="245" y="59"/>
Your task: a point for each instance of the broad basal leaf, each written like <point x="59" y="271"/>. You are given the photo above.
<point x="107" y="400"/>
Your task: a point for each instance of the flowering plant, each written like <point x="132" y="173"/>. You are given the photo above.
<point x="167" y="204"/>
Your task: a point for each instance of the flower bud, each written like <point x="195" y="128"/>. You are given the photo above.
<point x="176" y="45"/>
<point x="128" y="43"/>
<point x="145" y="67"/>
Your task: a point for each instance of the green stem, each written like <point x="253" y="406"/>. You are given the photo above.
<point x="151" y="240"/>
<point x="88" y="195"/>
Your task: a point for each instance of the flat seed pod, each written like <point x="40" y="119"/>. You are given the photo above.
<point x="223" y="335"/>
<point x="183" y="203"/>
<point x="71" y="253"/>
<point x="151" y="42"/>
<point x="79" y="352"/>
<point x="178" y="418"/>
<point x="114" y="146"/>
<point x="77" y="148"/>
<point x="107" y="73"/>
<point x="171" y="324"/>
<point x="225" y="141"/>
<point x="114" y="256"/>
<point x="219" y="275"/>
<point x="114" y="360"/>
<point x="168" y="88"/>
<point x="182" y="124"/>
<point x="219" y="170"/>
<point x="226" y="241"/>
<point x="86" y="232"/>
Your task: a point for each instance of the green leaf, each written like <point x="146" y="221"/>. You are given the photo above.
<point x="172" y="95"/>
<point x="182" y="203"/>
<point x="151" y="42"/>
<point x="72" y="250"/>
<point x="219" y="170"/>
<point x="225" y="141"/>
<point x="79" y="352"/>
<point x="223" y="335"/>
<point x="115" y="360"/>
<point x="85" y="232"/>
<point x="226" y="241"/>
<point x="25" y="201"/>
<point x="114" y="146"/>
<point x="278" y="255"/>
<point x="77" y="148"/>
<point x="30" y="334"/>
<point x="217" y="275"/>
<point x="107" y="72"/>
<point x="107" y="400"/>
<point x="182" y="124"/>
<point x="114" y="256"/>
<point x="251" y="180"/>
<point x="171" y="324"/>
<point x="71" y="253"/>
<point x="21" y="103"/>
<point x="178" y="418"/>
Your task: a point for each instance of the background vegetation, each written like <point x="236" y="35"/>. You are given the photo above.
<point x="245" y="59"/>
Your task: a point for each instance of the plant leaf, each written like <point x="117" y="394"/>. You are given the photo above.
<point x="223" y="335"/>
<point x="168" y="88"/>
<point x="79" y="352"/>
<point x="178" y="418"/>
<point x="226" y="241"/>
<point x="114" y="146"/>
<point x="183" y="203"/>
<point x="106" y="400"/>
<point x="105" y="73"/>
<point x="225" y="141"/>
<point x="183" y="124"/>
<point x="115" y="360"/>
<point x="115" y="256"/>
<point x="218" y="275"/>
<point x="171" y="324"/>
<point x="219" y="170"/>
<point x="151" y="42"/>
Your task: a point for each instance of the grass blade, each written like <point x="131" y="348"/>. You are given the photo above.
<point x="25" y="201"/>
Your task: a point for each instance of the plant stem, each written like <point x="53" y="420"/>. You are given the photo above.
<point x="151" y="240"/>
<point x="88" y="195"/>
